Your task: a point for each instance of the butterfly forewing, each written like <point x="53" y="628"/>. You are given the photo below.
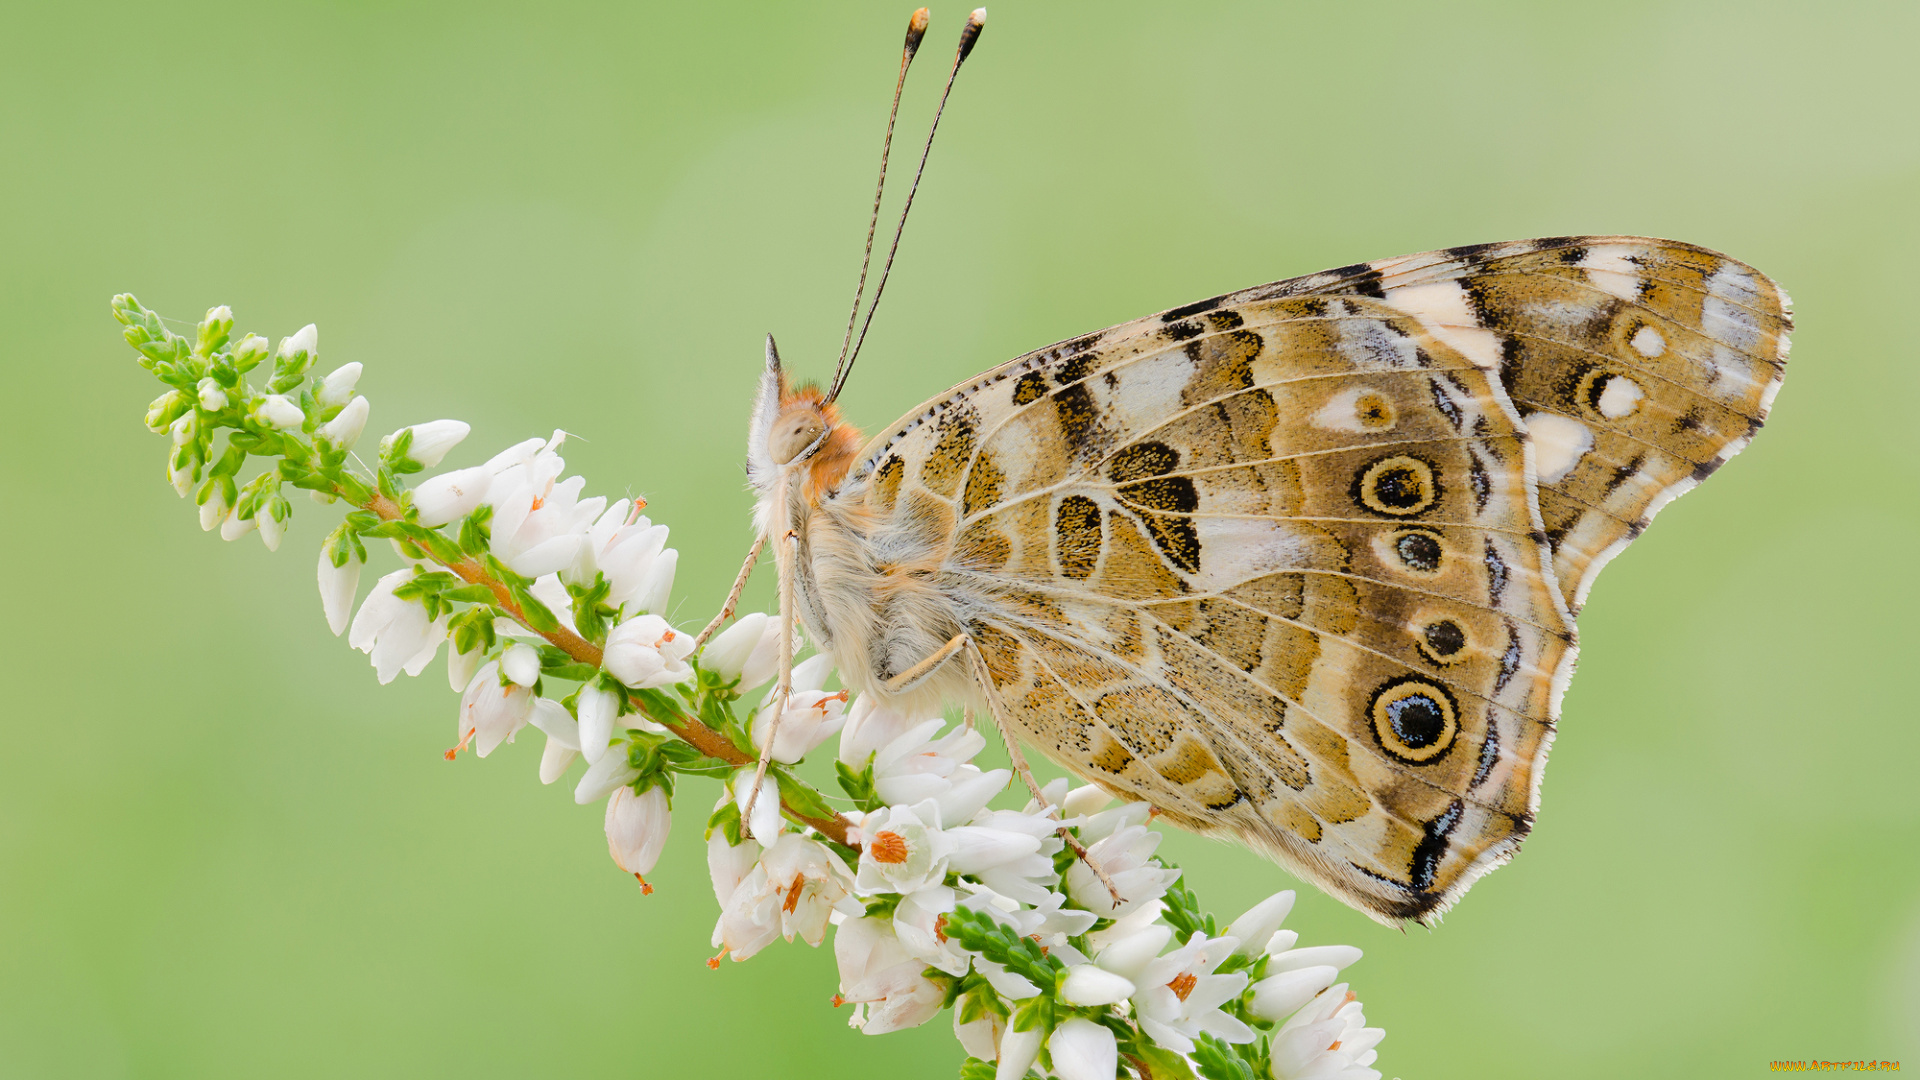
<point x="1295" y="563"/>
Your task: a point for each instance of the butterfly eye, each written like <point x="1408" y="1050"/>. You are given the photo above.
<point x="1415" y="721"/>
<point x="793" y="432"/>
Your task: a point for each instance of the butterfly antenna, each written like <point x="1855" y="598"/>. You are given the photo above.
<point x="968" y="37"/>
<point x="916" y="29"/>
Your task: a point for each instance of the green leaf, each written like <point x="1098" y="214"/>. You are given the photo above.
<point x="800" y="797"/>
<point x="859" y="785"/>
<point x="1183" y="910"/>
<point x="1218" y="1060"/>
<point x="475" y="534"/>
<point x="726" y="819"/>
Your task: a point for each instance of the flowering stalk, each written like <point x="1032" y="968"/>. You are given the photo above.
<point x="935" y="899"/>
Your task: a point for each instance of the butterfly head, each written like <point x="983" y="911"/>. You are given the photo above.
<point x="796" y="430"/>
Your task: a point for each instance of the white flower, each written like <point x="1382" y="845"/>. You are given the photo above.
<point x="521" y="663"/>
<point x="563" y="737"/>
<point x="1124" y="855"/>
<point x="278" y="411"/>
<point x="1129" y="952"/>
<point x="1258" y="924"/>
<point x="747" y="922"/>
<point x="491" y="713"/>
<point x="811" y="717"/>
<point x="337" y="586"/>
<point x="1327" y="1039"/>
<point x="337" y="387"/>
<point x="871" y="726"/>
<point x="919" y="922"/>
<point x="213" y="396"/>
<point x="620" y="543"/>
<point x="599" y="709"/>
<point x="611" y="771"/>
<point x="729" y="864"/>
<point x="539" y="527"/>
<point x="272" y="529"/>
<point x="916" y="766"/>
<point x="749" y="650"/>
<point x="764" y="821"/>
<point x="396" y="634"/>
<point x="460" y="665"/>
<point x="637" y="827"/>
<point x="645" y="652"/>
<point x="451" y="496"/>
<point x="1180" y="996"/>
<point x="882" y="980"/>
<point x="1028" y="877"/>
<point x="302" y="348"/>
<point x="431" y="440"/>
<point x="979" y="1037"/>
<point x="1092" y="985"/>
<point x="1018" y="1051"/>
<point x="213" y="512"/>
<point x="1277" y="997"/>
<point x="345" y="428"/>
<point x="1083" y="1050"/>
<point x="808" y="882"/>
<point x="235" y="526"/>
<point x="1085" y="801"/>
<point x="904" y="849"/>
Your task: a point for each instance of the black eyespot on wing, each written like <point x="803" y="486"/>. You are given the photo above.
<point x="1419" y="550"/>
<point x="1414" y="720"/>
<point x="1444" y="639"/>
<point x="1400" y="485"/>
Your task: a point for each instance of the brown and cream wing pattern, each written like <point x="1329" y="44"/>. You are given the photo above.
<point x="1276" y="562"/>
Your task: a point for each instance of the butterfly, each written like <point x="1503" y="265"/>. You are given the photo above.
<point x="1298" y="564"/>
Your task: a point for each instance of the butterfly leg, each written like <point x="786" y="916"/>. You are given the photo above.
<point x="912" y="677"/>
<point x="783" y="557"/>
<point x="1020" y="767"/>
<point x="733" y="598"/>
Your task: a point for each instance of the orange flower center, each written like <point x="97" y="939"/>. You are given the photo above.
<point x="889" y="848"/>
<point x="1183" y="984"/>
<point x="793" y="894"/>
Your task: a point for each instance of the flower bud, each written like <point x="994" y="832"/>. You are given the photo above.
<point x="1083" y="1050"/>
<point x="450" y="496"/>
<point x="431" y="440"/>
<point x="214" y="511"/>
<point x="521" y="663"/>
<point x="344" y="429"/>
<point x="280" y="412"/>
<point x="602" y="777"/>
<point x="215" y="328"/>
<point x="599" y="710"/>
<point x="213" y="396"/>
<point x="749" y="650"/>
<point x="658" y="587"/>
<point x="1277" y="997"/>
<point x="235" y="526"/>
<point x="1257" y="926"/>
<point x="337" y="387"/>
<point x="337" y="586"/>
<point x="1018" y="1051"/>
<point x="1089" y="985"/>
<point x="165" y="410"/>
<point x="272" y="528"/>
<point x="249" y="352"/>
<point x="297" y="353"/>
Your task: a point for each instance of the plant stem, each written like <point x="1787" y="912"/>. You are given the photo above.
<point x="689" y="729"/>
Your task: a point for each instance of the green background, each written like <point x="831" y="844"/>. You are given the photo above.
<point x="224" y="851"/>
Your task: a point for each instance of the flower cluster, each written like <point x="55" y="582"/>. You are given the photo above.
<point x="552" y="607"/>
